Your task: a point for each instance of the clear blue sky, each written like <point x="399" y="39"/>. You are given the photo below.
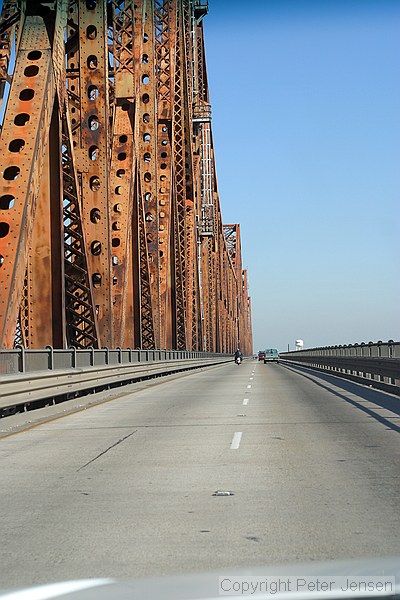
<point x="306" y="122"/>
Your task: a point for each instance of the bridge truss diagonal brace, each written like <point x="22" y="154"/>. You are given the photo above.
<point x="25" y="137"/>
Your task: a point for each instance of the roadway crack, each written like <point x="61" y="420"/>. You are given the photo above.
<point x="106" y="450"/>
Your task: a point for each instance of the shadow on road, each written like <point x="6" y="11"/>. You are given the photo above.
<point x="381" y="399"/>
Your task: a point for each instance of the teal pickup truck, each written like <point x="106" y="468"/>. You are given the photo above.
<point x="271" y="355"/>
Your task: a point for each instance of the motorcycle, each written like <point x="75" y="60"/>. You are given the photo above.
<point x="238" y="360"/>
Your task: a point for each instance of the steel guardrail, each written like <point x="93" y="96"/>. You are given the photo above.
<point x="20" y="360"/>
<point x="27" y="390"/>
<point x="374" y="364"/>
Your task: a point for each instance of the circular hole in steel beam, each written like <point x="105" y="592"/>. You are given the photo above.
<point x="4" y="229"/>
<point x="31" y="71"/>
<point x="92" y="62"/>
<point x="95" y="215"/>
<point x="34" y="55"/>
<point x="93" y="92"/>
<point x="93" y="123"/>
<point x="16" y="145"/>
<point x="21" y="119"/>
<point x="94" y="183"/>
<point x="91" y="32"/>
<point x="95" y="248"/>
<point x="26" y="95"/>
<point x="96" y="280"/>
<point x="11" y="173"/>
<point x="93" y="152"/>
<point x="7" y="201"/>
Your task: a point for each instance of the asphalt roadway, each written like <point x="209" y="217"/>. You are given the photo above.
<point x="126" y="488"/>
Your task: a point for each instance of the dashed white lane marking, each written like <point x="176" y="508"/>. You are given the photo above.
<point x="245" y="401"/>
<point x="237" y="436"/>
<point x="251" y="378"/>
<point x="248" y="387"/>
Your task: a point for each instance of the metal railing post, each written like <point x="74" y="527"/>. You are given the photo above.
<point x="50" y="357"/>
<point x="73" y="357"/>
<point x="91" y="356"/>
<point x="21" y="358"/>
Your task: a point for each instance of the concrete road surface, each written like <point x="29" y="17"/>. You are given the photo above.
<point x="126" y="488"/>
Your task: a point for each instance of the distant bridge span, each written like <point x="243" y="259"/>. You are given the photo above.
<point x="111" y="231"/>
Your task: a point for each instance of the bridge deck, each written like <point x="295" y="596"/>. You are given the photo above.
<point x="125" y="489"/>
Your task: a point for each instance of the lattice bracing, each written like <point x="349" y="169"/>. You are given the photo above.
<point x="80" y="315"/>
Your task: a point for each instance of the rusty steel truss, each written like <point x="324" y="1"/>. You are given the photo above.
<point x="111" y="231"/>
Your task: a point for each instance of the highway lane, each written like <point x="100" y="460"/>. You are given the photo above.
<point x="125" y="488"/>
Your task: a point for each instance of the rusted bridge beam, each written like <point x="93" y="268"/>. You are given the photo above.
<point x="111" y="228"/>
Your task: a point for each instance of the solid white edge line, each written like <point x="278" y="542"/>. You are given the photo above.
<point x="54" y="590"/>
<point x="237" y="436"/>
<point x="245" y="401"/>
